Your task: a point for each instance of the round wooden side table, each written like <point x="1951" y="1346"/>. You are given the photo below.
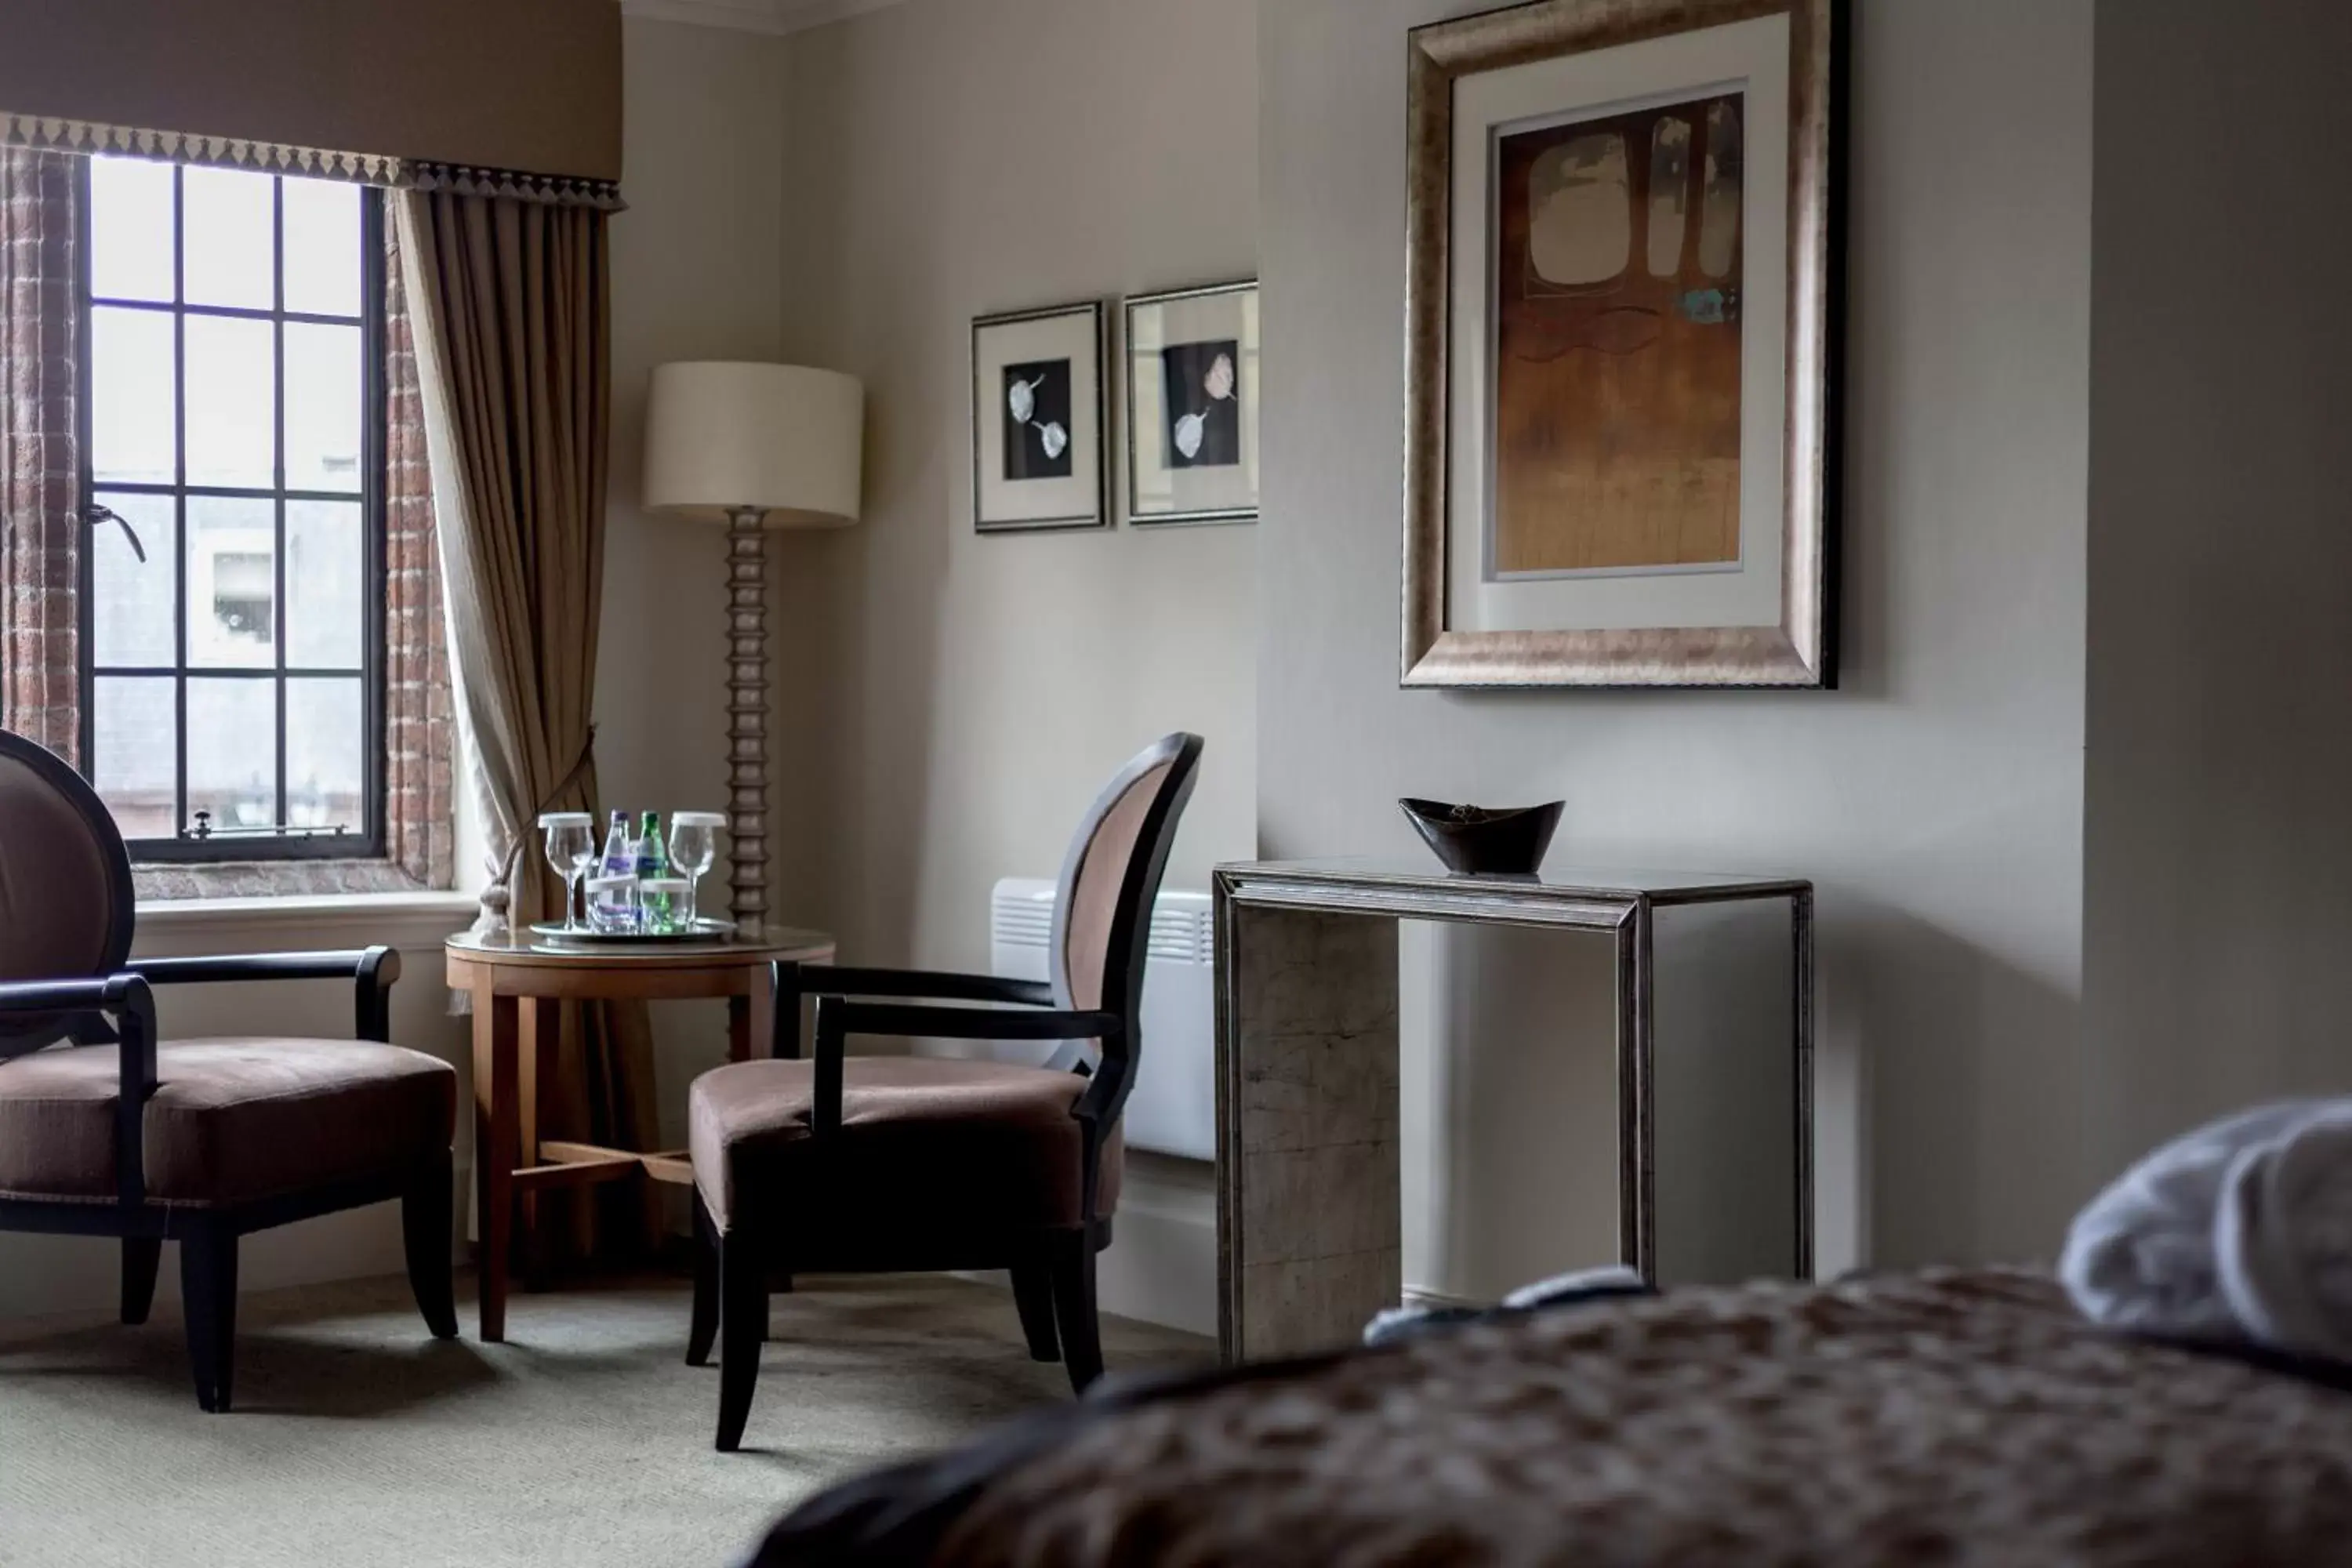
<point x="517" y="986"/>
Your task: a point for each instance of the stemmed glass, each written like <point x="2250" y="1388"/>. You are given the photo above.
<point x="571" y="851"/>
<point x="693" y="846"/>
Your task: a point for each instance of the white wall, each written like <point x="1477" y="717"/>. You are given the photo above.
<point x="952" y="703"/>
<point x="1936" y="799"/>
<point x="963" y="699"/>
<point x="695" y="261"/>
<point x="2219" y="854"/>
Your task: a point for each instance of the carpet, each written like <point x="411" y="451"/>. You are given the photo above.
<point x="582" y="1441"/>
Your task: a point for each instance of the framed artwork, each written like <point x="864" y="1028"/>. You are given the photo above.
<point x="1191" y="405"/>
<point x="1620" y="307"/>
<point x="1037" y="419"/>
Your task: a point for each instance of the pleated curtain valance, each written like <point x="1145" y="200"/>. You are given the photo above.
<point x="512" y="98"/>
<point x="90" y="138"/>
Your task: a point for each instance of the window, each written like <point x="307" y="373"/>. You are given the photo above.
<point x="232" y="589"/>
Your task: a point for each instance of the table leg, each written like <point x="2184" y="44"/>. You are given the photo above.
<point x="751" y="1033"/>
<point x="541" y="1037"/>
<point x="788" y="1012"/>
<point x="497" y="1137"/>
<point x="1801" y="923"/>
<point x="1308" y="1173"/>
<point x="752" y="1019"/>
<point x="1637" y="1114"/>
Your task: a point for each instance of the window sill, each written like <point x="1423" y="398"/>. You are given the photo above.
<point x="411" y="921"/>
<point x="162" y="882"/>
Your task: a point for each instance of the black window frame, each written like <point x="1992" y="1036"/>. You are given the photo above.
<point x="281" y="842"/>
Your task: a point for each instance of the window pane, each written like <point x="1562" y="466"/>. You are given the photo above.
<point x="232" y="582"/>
<point x="132" y="410"/>
<point x="325" y="584"/>
<point x="232" y="402"/>
<point x="323" y="246"/>
<point x="229" y="254"/>
<point x="130" y="228"/>
<point x="233" y="751"/>
<point x="133" y="748"/>
<point x="232" y="589"/>
<point x="130" y="599"/>
<point x="322" y="407"/>
<point x="325" y="745"/>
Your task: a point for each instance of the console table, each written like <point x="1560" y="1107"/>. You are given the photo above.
<point x="1309" y="1230"/>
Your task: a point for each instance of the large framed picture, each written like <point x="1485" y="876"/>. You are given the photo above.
<point x="1037" y="386"/>
<point x="1191" y="405"/>
<point x="1620" y="304"/>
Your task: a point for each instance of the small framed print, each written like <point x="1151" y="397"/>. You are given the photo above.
<point x="1037" y="456"/>
<point x="1191" y="405"/>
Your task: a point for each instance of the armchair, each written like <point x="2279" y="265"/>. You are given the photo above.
<point x="844" y="1162"/>
<point x="108" y="1130"/>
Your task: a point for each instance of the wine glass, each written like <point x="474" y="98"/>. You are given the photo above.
<point x="693" y="846"/>
<point x="571" y="851"/>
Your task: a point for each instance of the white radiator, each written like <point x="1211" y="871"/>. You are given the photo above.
<point x="1174" y="1106"/>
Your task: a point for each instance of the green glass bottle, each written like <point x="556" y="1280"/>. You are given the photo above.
<point x="658" y="910"/>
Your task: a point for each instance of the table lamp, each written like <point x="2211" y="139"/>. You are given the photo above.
<point x="756" y="446"/>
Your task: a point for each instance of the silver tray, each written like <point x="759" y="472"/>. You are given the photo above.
<point x="704" y="931"/>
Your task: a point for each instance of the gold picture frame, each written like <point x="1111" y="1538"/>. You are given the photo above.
<point x="1754" y="607"/>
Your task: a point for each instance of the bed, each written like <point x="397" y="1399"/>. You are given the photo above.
<point x="1941" y="1417"/>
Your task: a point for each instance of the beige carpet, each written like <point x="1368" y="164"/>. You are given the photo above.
<point x="584" y="1441"/>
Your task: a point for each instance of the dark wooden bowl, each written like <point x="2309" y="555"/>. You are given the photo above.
<point x="1486" y="841"/>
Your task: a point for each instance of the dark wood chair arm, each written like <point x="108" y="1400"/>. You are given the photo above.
<point x="370" y="970"/>
<point x="129" y="1002"/>
<point x="795" y="981"/>
<point x="827" y="980"/>
<point x="838" y="1017"/>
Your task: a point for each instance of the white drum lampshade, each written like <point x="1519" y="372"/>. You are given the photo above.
<point x="726" y="436"/>
<point x="754" y="445"/>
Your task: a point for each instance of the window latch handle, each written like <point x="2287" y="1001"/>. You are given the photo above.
<point x="97" y="514"/>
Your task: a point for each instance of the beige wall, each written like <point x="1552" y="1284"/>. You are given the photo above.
<point x="2219" y="855"/>
<point x="958" y="700"/>
<point x="695" y="263"/>
<point x="1937" y="798"/>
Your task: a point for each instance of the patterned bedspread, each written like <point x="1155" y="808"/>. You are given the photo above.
<point x="1936" y="1418"/>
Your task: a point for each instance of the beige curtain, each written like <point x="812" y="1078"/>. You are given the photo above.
<point x="513" y="332"/>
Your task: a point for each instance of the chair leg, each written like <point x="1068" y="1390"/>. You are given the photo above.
<point x="208" y="1296"/>
<point x="704" y="1329"/>
<point x="1074" y="1308"/>
<point x="427" y="1234"/>
<point x="1032" y="1297"/>
<point x="140" y="1257"/>
<point x="742" y="1325"/>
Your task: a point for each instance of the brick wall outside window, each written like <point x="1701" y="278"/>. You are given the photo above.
<point x="419" y="728"/>
<point x="39" y="470"/>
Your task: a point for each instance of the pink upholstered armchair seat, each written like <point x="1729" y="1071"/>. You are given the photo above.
<point x="232" y="1121"/>
<point x="991" y="1144"/>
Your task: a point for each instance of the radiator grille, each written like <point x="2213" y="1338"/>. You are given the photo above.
<point x="1173" y="1107"/>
